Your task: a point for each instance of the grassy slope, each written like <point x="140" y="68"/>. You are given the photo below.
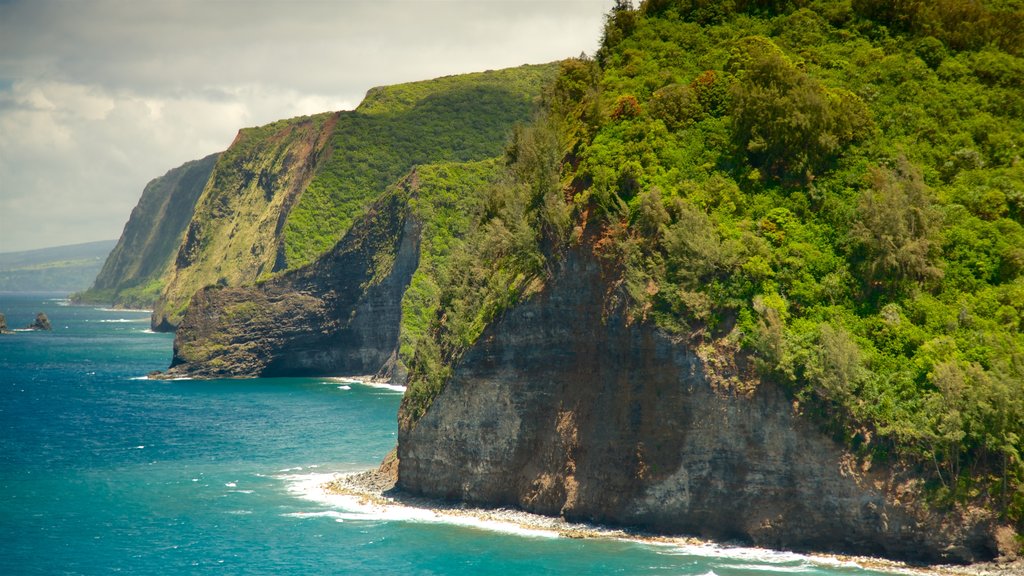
<point x="234" y="233"/>
<point x="246" y="227"/>
<point x="456" y="118"/>
<point x="131" y="275"/>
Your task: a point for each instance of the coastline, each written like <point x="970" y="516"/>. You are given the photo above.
<point x="375" y="489"/>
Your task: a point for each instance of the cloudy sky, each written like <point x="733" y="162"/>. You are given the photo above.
<point x="97" y="97"/>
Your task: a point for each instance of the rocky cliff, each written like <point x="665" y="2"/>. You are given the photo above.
<point x="339" y="316"/>
<point x="130" y="277"/>
<point x="284" y="194"/>
<point x="564" y="407"/>
<point x="351" y="312"/>
<point x="234" y="233"/>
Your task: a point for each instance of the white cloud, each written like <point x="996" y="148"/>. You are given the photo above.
<point x="97" y="98"/>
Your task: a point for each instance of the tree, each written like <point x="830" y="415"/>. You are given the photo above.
<point x="788" y="125"/>
<point x="895" y="228"/>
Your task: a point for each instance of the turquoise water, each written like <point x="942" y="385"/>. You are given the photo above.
<point x="102" y="471"/>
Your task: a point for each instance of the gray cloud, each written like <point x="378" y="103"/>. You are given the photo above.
<point x="97" y="98"/>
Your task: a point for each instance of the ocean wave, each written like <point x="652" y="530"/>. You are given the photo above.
<point x="123" y="310"/>
<point x="310" y="487"/>
<point x="762" y="559"/>
<point x="122" y="320"/>
<point x="365" y="381"/>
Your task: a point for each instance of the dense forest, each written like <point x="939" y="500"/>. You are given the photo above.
<point x="830" y="192"/>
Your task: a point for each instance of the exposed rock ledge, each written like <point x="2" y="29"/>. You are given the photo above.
<point x="564" y="408"/>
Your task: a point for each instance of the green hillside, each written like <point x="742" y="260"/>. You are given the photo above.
<point x="131" y="275"/>
<point x="831" y="192"/>
<point x="57" y="269"/>
<point x="285" y="193"/>
<point x="456" y="118"/>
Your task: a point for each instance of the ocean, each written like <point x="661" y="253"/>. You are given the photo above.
<point x="103" y="471"/>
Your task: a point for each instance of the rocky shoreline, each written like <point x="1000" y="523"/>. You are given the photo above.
<point x="377" y="488"/>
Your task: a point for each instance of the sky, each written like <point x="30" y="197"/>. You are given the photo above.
<point x="98" y="97"/>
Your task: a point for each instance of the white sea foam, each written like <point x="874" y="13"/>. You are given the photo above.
<point x="123" y="320"/>
<point x="350" y="507"/>
<point x="344" y="387"/>
<point x="148" y="331"/>
<point x="230" y="484"/>
<point x="241" y="491"/>
<point x="762" y="559"/>
<point x="365" y="381"/>
<point x="385" y="386"/>
<point x="123" y="310"/>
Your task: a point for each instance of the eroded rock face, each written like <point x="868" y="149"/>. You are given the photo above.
<point x="340" y="315"/>
<point x="3" y="325"/>
<point x="562" y="407"/>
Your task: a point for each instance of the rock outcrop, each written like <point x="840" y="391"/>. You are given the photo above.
<point x="340" y="315"/>
<point x="3" y="325"/>
<point x="40" y="323"/>
<point x="563" y="407"/>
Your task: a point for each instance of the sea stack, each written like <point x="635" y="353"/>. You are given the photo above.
<point x="41" y="322"/>
<point x="3" y="324"/>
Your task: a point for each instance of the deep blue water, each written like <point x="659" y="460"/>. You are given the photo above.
<point x="102" y="471"/>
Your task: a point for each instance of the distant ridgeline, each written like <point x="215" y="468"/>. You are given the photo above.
<point x="753" y="272"/>
<point x="57" y="269"/>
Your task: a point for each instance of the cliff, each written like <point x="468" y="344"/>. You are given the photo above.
<point x="131" y="274"/>
<point x="284" y="194"/>
<point x="350" y="311"/>
<point x="564" y="407"/>
<point x="234" y="233"/>
<point x="340" y="316"/>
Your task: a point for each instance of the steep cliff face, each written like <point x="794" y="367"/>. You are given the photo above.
<point x="359" y="308"/>
<point x="339" y="316"/>
<point x="284" y="194"/>
<point x="130" y="276"/>
<point x="234" y="233"/>
<point x="563" y="407"/>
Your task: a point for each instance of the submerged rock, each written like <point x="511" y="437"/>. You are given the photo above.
<point x="41" y="323"/>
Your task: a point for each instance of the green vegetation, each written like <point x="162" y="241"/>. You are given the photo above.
<point x="452" y="119"/>
<point x="131" y="275"/>
<point x="834" y="186"/>
<point x="58" y="269"/>
<point x="482" y="253"/>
